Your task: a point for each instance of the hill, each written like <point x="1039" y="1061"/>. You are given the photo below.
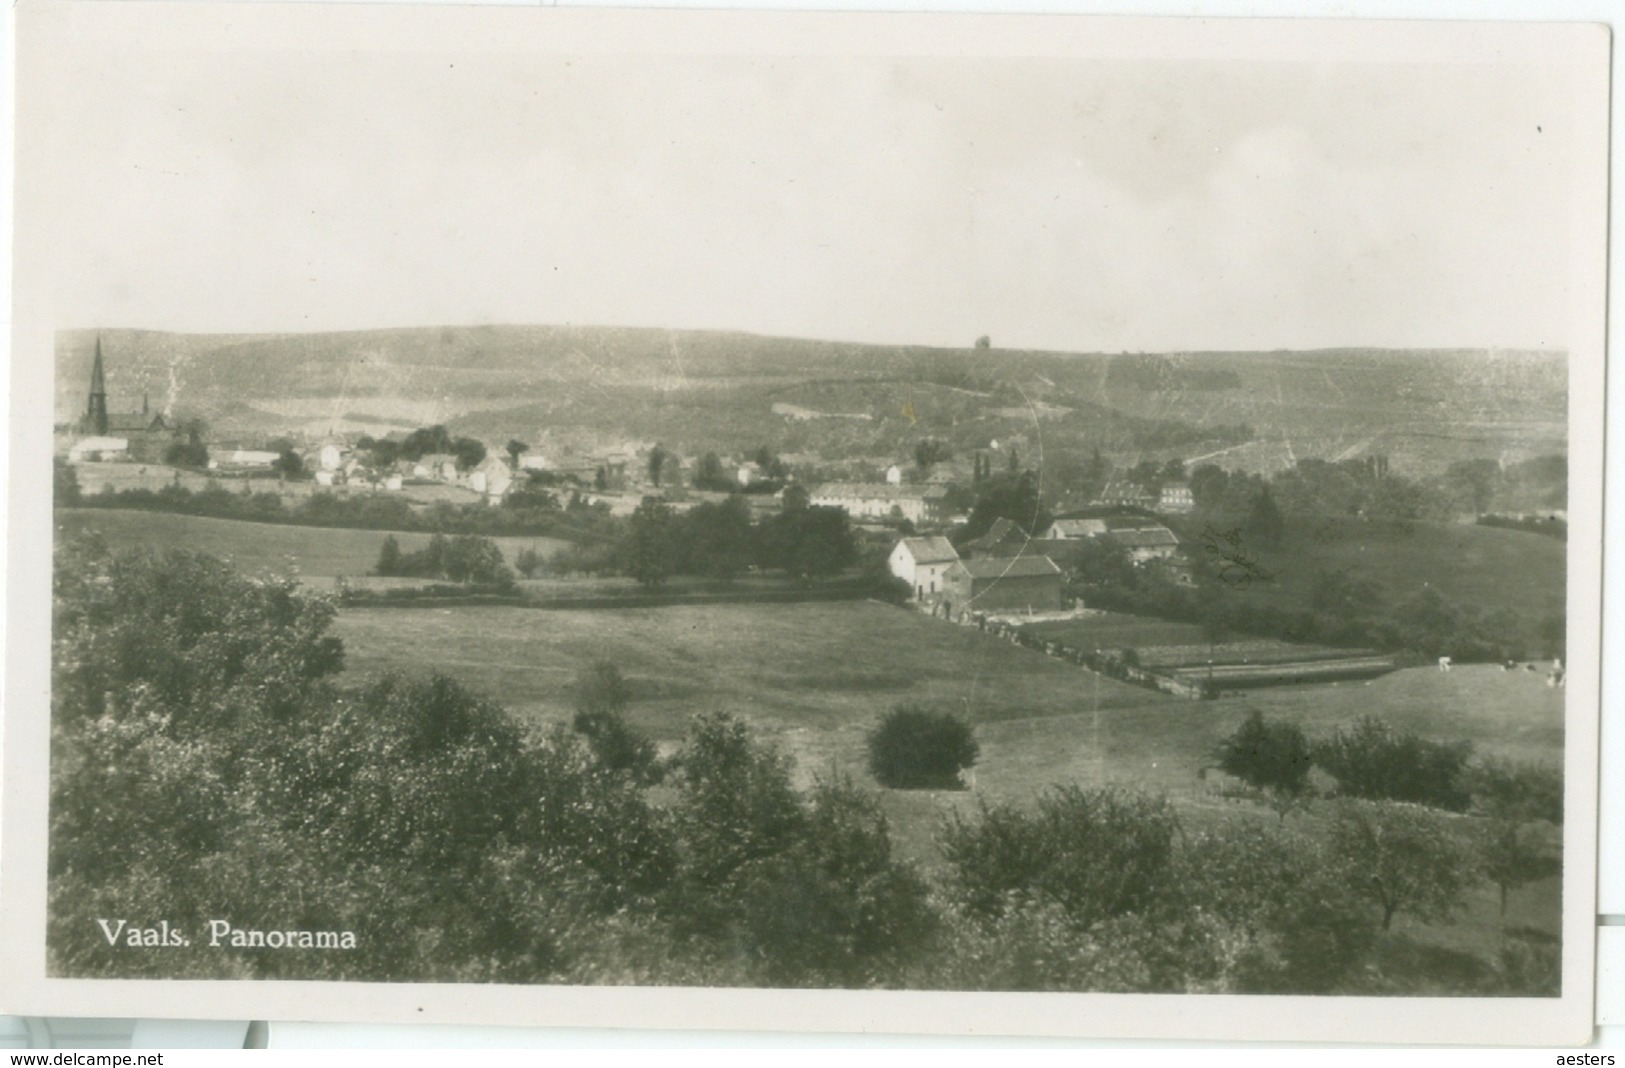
<point x="699" y="390"/>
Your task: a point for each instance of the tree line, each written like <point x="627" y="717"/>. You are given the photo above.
<point x="208" y="761"/>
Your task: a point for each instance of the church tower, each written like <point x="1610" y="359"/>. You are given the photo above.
<point x="96" y="413"/>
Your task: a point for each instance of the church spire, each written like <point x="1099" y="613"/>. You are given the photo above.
<point x="96" y="413"/>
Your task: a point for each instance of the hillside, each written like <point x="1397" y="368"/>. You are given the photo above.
<point x="698" y="390"/>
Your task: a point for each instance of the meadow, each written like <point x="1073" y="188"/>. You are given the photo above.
<point x="1483" y="567"/>
<point x="317" y="555"/>
<point x="813" y="679"/>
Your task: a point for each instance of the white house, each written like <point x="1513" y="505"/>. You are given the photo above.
<point x="922" y="563"/>
<point x="894" y="475"/>
<point x="330" y="456"/>
<point x="491" y="476"/>
<point x="1175" y="497"/>
<point x="98" y="448"/>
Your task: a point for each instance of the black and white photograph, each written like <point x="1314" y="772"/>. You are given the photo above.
<point x="677" y="518"/>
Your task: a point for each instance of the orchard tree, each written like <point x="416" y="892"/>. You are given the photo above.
<point x="1095" y="853"/>
<point x="515" y="447"/>
<point x="1402" y="858"/>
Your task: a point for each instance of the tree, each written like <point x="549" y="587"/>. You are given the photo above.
<point x="1515" y="799"/>
<point x="1012" y="496"/>
<point x="653" y="548"/>
<point x="709" y="474"/>
<point x="528" y="562"/>
<point x="718" y="538"/>
<point x="1095" y="853"/>
<point x="389" y="558"/>
<point x="1513" y="853"/>
<point x="930" y="451"/>
<point x="657" y="464"/>
<point x="515" y="447"/>
<point x="469" y="453"/>
<point x="809" y="543"/>
<point x="795" y="499"/>
<point x="1264" y="524"/>
<point x="188" y="450"/>
<point x="1401" y="858"/>
<point x="984" y="343"/>
<point x="1375" y="762"/>
<point x="916" y="749"/>
<point x="735" y="805"/>
<point x="289" y="465"/>
<point x="470" y="558"/>
<point x="601" y="698"/>
<point x="1271" y="755"/>
<point x="834" y="905"/>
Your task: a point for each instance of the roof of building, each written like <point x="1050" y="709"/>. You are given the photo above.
<point x="995" y="567"/>
<point x="130" y="422"/>
<point x="1001" y="531"/>
<point x="879" y="490"/>
<point x="933" y="550"/>
<point x="1149" y="537"/>
<point x="1073" y="528"/>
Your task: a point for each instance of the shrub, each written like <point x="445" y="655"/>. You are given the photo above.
<point x="914" y="749"/>
<point x="835" y="907"/>
<point x="1267" y="754"/>
<point x="1375" y="762"/>
<point x="1096" y="853"/>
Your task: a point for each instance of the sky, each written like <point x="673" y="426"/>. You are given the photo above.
<point x="249" y="175"/>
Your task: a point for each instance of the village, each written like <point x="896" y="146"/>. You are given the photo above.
<point x="1018" y="575"/>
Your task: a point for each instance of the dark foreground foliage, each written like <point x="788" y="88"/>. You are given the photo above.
<point x="209" y="779"/>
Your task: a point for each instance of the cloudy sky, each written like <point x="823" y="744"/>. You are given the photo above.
<point x="263" y="173"/>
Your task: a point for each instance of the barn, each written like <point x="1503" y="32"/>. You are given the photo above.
<point x="1004" y="584"/>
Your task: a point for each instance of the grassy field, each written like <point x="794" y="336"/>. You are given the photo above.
<point x="1485" y="568"/>
<point x="316" y="554"/>
<point x="814" y="678"/>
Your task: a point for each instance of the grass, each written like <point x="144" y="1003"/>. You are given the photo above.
<point x="813" y="679"/>
<point x="316" y="554"/>
<point x="1480" y="567"/>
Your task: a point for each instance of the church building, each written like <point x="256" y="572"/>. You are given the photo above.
<point x="146" y="431"/>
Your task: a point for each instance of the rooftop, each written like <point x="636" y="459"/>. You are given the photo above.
<point x="996" y="567"/>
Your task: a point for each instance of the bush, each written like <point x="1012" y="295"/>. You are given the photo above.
<point x="1095" y="853"/>
<point x="1267" y="754"/>
<point x="914" y="749"/>
<point x="1375" y="762"/>
<point x="835" y="907"/>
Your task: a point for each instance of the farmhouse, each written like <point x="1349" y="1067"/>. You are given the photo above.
<point x="923" y="563"/>
<point x="1144" y="541"/>
<point x="879" y="500"/>
<point x="991" y="583"/>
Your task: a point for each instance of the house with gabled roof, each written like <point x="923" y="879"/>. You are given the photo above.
<point x="923" y="563"/>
